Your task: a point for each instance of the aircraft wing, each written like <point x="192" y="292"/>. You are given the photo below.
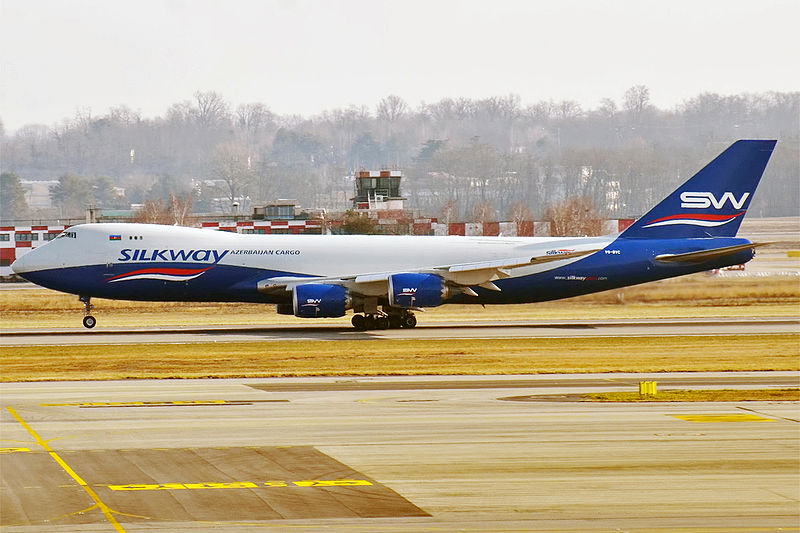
<point x="479" y="273"/>
<point x="707" y="255"/>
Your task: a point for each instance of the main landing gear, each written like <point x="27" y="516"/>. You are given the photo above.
<point x="88" y="320"/>
<point x="406" y="319"/>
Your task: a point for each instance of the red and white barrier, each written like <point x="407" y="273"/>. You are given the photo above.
<point x="16" y="241"/>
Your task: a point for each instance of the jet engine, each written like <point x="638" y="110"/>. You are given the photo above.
<point x="416" y="290"/>
<point x="319" y="300"/>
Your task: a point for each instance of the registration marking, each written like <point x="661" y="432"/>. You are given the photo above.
<point x="244" y="484"/>
<point x="724" y="418"/>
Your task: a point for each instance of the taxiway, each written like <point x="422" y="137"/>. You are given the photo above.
<point x="504" y="329"/>
<point x="475" y="453"/>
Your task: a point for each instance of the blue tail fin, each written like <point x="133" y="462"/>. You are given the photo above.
<point x="712" y="203"/>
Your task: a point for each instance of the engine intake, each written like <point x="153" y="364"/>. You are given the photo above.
<point x="416" y="290"/>
<point x="319" y="300"/>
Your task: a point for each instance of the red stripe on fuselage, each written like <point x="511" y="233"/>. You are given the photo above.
<point x="171" y="271"/>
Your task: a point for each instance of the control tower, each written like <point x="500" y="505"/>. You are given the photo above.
<point x="378" y="190"/>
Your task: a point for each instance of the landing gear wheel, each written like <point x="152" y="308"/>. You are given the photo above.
<point x="359" y="322"/>
<point x="408" y="321"/>
<point x="369" y="322"/>
<point x="382" y="322"/>
<point x="395" y="322"/>
<point x="88" y="320"/>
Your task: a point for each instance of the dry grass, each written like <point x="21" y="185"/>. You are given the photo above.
<point x="693" y="296"/>
<point x="721" y="395"/>
<point x="401" y="357"/>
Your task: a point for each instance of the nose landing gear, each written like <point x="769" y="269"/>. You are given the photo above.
<point x="88" y="320"/>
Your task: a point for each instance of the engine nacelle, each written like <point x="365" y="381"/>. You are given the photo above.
<point x="416" y="290"/>
<point x="319" y="300"/>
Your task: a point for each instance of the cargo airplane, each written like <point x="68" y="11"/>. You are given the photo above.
<point x="384" y="279"/>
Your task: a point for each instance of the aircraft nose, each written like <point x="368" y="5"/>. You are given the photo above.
<point x="18" y="266"/>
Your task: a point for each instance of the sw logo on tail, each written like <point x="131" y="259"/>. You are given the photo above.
<point x="704" y="200"/>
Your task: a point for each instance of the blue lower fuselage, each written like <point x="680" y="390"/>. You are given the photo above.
<point x="623" y="262"/>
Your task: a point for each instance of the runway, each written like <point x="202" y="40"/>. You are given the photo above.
<point x="321" y="331"/>
<point x="469" y="453"/>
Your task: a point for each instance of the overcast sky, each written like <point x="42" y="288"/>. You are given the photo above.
<point x="307" y="56"/>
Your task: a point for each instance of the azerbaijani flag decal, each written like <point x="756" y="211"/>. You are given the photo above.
<point x="708" y="221"/>
<point x="115" y="237"/>
<point x="163" y="274"/>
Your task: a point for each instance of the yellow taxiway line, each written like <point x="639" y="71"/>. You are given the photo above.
<point x="106" y="510"/>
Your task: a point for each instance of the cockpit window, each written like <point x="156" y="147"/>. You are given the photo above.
<point x="67" y="234"/>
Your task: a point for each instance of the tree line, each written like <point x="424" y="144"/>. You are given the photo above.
<point x="463" y="159"/>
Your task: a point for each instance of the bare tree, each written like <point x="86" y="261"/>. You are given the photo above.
<point x="449" y="210"/>
<point x="576" y="217"/>
<point x="483" y="212"/>
<point x="608" y="108"/>
<point x="391" y="108"/>
<point x="542" y="111"/>
<point x="153" y="212"/>
<point x="569" y="109"/>
<point x="180" y="208"/>
<point x="252" y="118"/>
<point x="211" y="108"/>
<point x="519" y="213"/>
<point x="637" y="101"/>
<point x="233" y="165"/>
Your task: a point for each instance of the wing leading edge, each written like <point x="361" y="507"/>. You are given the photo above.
<point x="464" y="275"/>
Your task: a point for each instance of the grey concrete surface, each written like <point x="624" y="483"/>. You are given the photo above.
<point x="505" y="329"/>
<point x="450" y="447"/>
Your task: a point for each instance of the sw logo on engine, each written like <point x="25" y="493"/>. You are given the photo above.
<point x="704" y="200"/>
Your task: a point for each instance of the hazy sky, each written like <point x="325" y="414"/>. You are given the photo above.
<point x="306" y="56"/>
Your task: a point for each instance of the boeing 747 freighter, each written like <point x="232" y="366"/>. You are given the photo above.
<point x="384" y="279"/>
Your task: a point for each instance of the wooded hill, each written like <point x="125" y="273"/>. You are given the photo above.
<point x="462" y="159"/>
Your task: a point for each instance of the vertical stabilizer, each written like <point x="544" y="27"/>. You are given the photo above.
<point x="712" y="203"/>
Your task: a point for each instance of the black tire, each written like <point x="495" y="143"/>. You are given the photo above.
<point x="89" y="321"/>
<point x="369" y="322"/>
<point x="395" y="322"/>
<point x="409" y="321"/>
<point x="359" y="322"/>
<point x="382" y="322"/>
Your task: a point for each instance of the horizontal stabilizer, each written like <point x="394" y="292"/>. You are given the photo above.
<point x="707" y="255"/>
